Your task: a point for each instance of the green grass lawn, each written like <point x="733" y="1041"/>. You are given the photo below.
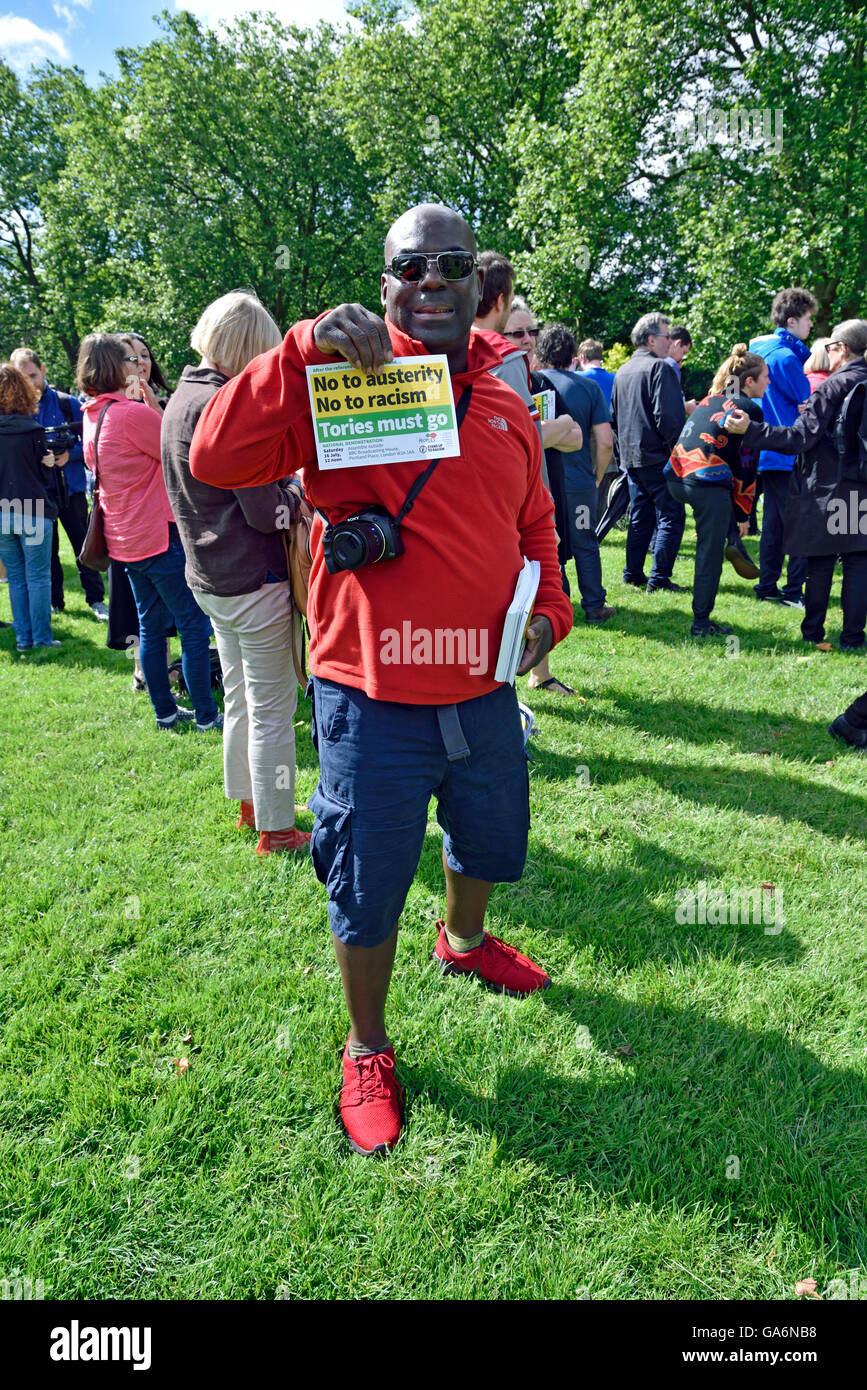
<point x="578" y="1143"/>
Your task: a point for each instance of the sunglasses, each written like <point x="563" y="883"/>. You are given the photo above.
<point x="134" y="360"/>
<point x="522" y="333"/>
<point x="829" y="346"/>
<point x="412" y="266"/>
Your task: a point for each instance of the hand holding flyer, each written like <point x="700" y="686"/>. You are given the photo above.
<point x="546" y="404"/>
<point x="403" y="412"/>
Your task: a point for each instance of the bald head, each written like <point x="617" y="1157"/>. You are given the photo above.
<point x="434" y="311"/>
<point x="408" y="233"/>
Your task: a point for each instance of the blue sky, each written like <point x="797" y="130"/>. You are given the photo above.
<point x="87" y="32"/>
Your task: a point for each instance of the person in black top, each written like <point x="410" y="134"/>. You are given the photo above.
<point x="715" y="473"/>
<point x="28" y="507"/>
<point x="826" y="512"/>
<point x="647" y="415"/>
<point x="573" y="477"/>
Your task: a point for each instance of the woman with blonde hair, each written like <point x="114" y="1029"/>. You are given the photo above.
<point x="817" y="367"/>
<point x="715" y="474"/>
<point x="236" y="567"/>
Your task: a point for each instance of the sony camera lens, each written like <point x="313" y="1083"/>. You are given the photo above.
<point x="358" y="543"/>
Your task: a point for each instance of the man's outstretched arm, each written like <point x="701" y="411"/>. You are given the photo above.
<point x="257" y="428"/>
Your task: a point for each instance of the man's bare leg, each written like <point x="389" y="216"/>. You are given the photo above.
<point x="506" y="969"/>
<point x="542" y="673"/>
<point x="366" y="974"/>
<point x="466" y="901"/>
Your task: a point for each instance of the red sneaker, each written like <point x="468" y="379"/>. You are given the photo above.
<point x="499" y="965"/>
<point x="246" y="820"/>
<point x="371" y="1102"/>
<point x="272" y="841"/>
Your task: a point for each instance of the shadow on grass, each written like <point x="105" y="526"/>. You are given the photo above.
<point x="625" y="909"/>
<point x="757" y="793"/>
<point x="662" y="1125"/>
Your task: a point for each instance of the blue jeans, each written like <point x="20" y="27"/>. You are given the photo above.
<point x="162" y="598"/>
<point x="652" y="506"/>
<point x="28" y="565"/>
<point x="585" y="548"/>
<point x="775" y="495"/>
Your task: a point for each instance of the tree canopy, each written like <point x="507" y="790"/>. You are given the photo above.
<point x="642" y="154"/>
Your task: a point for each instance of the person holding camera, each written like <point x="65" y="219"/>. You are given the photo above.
<point x="60" y="414"/>
<point x="122" y="445"/>
<point x="237" y="570"/>
<point x="715" y="475"/>
<point x="395" y="727"/>
<point x="28" y="507"/>
<point x="827" y="498"/>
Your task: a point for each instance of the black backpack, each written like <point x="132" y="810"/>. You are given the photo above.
<point x="65" y="404"/>
<point x="850" y="434"/>
<point x="176" y="673"/>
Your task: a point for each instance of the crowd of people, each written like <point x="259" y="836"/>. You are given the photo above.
<point x="197" y="487"/>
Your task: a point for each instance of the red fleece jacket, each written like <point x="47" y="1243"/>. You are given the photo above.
<point x="376" y="628"/>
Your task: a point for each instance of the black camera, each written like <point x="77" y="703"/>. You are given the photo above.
<point x="362" y="539"/>
<point x="60" y="439"/>
<point x="367" y="537"/>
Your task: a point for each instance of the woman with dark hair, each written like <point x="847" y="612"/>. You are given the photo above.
<point x="28" y="507"/>
<point x="122" y="445"/>
<point x="826" y="513"/>
<point x="123" y="630"/>
<point x="714" y="473"/>
<point x="149" y="368"/>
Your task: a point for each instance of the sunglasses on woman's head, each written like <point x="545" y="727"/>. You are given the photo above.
<point x="411" y="267"/>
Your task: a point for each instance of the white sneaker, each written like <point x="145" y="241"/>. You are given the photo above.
<point x="181" y="716"/>
<point x="215" y="723"/>
<point x="100" y="611"/>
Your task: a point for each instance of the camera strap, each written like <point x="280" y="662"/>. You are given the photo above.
<point x="460" y="413"/>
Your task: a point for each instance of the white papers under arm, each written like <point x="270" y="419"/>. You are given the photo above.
<point x="517" y="617"/>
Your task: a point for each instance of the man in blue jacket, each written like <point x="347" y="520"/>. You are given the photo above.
<point x="55" y="410"/>
<point x="785" y="351"/>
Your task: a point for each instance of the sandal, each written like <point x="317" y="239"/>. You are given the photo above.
<point x="551" y="682"/>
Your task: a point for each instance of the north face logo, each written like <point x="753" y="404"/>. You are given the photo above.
<point x="498" y="422"/>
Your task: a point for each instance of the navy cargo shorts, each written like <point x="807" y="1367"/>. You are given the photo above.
<point x="379" y="764"/>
